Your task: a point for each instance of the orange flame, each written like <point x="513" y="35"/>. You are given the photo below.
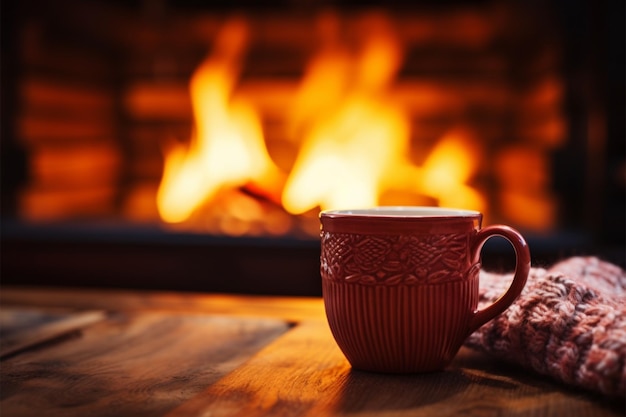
<point x="357" y="149"/>
<point x="448" y="168"/>
<point x="228" y="148"/>
<point x="354" y="138"/>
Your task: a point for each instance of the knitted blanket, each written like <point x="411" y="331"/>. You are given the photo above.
<point x="568" y="323"/>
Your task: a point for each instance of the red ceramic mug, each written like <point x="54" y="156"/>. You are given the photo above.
<point x="400" y="284"/>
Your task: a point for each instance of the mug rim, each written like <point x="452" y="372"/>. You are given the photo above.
<point x="401" y="212"/>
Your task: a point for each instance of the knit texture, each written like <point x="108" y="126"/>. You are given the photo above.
<point x="568" y="323"/>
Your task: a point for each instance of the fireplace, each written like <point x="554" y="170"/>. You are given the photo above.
<point x="148" y="143"/>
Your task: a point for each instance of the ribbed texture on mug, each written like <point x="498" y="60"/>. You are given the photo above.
<point x="400" y="329"/>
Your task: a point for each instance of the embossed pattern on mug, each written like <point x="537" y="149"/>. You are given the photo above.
<point x="394" y="259"/>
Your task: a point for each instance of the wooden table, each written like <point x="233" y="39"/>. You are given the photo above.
<point x="119" y="353"/>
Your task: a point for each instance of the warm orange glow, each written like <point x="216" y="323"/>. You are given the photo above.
<point x="325" y="78"/>
<point x="524" y="172"/>
<point x="348" y="159"/>
<point x="227" y="148"/>
<point x="532" y="212"/>
<point x="354" y="139"/>
<point x="448" y="168"/>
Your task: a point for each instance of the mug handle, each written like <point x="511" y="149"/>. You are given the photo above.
<point x="522" y="269"/>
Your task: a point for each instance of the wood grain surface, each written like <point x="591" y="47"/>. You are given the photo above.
<point x="21" y="329"/>
<point x="176" y="355"/>
<point x="304" y="374"/>
<point x="131" y="365"/>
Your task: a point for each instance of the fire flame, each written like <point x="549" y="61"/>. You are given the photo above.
<point x="354" y="139"/>
<point x="450" y="165"/>
<point x="228" y="147"/>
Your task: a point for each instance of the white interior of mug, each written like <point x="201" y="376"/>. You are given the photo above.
<point x="404" y="211"/>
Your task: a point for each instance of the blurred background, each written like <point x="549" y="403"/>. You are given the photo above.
<point x="190" y="145"/>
